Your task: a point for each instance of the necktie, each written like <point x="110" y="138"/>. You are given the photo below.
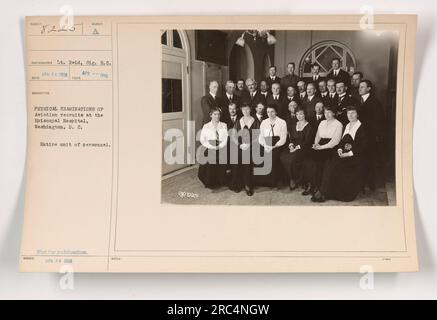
<point x="271" y="130"/>
<point x="362" y="100"/>
<point x="230" y="98"/>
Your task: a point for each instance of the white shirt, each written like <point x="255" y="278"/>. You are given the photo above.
<point x="259" y="116"/>
<point x="341" y="96"/>
<point x="252" y="94"/>
<point x="213" y="95"/>
<point x="279" y="129"/>
<point x="264" y="93"/>
<point x="209" y="132"/>
<point x="230" y="96"/>
<point x="302" y="95"/>
<point x="365" y="97"/>
<point x="319" y="116"/>
<point x="249" y="123"/>
<point x="310" y="98"/>
<point x="336" y="72"/>
<point x="324" y="94"/>
<point x="276" y="96"/>
<point x="329" y="130"/>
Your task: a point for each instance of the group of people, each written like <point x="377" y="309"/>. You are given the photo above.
<point x="318" y="132"/>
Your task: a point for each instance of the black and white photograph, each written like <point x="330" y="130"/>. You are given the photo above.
<point x="279" y="117"/>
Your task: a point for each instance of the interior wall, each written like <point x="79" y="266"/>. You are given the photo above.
<point x="371" y="50"/>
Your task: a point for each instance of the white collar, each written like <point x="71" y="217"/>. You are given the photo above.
<point x="342" y="95"/>
<point x="276" y="96"/>
<point x="265" y="93"/>
<point x="229" y="95"/>
<point x="365" y="96"/>
<point x="310" y="97"/>
<point x="352" y="131"/>
<point x="324" y="94"/>
<point x="242" y="123"/>
<point x="297" y="129"/>
<point x="252" y="93"/>
<point x="213" y="95"/>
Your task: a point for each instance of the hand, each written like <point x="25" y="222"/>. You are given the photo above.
<point x="316" y="146"/>
<point x="291" y="146"/>
<point x="268" y="148"/>
<point x="292" y="150"/>
<point x="340" y="152"/>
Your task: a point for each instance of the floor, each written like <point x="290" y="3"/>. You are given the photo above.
<point x="185" y="188"/>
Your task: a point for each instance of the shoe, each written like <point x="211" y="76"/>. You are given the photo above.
<point x="249" y="192"/>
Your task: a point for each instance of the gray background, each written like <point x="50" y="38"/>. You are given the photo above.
<point x="215" y="286"/>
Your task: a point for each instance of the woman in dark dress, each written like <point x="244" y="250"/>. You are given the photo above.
<point x="327" y="138"/>
<point x="212" y="156"/>
<point x="300" y="140"/>
<point x="243" y="136"/>
<point x="343" y="174"/>
<point x="272" y="137"/>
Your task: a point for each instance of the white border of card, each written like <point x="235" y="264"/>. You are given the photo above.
<point x="99" y="209"/>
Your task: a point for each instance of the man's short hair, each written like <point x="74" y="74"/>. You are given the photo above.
<point x="292" y="63"/>
<point x="315" y="65"/>
<point x="229" y="82"/>
<point x="336" y="59"/>
<point x="272" y="67"/>
<point x="368" y="82"/>
<point x="358" y="73"/>
<point x="240" y="80"/>
<point x="250" y="80"/>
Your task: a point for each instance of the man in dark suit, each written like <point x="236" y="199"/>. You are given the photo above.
<point x="292" y="95"/>
<point x="301" y="90"/>
<point x="323" y="91"/>
<point x="260" y="113"/>
<point x="230" y="97"/>
<point x="332" y="99"/>
<point x="264" y="88"/>
<point x="211" y="101"/>
<point x="272" y="77"/>
<point x="253" y="96"/>
<point x="239" y="90"/>
<point x="371" y="115"/>
<point x="290" y="79"/>
<point x="316" y="77"/>
<point x="275" y="98"/>
<point x="310" y="100"/>
<point x="231" y="120"/>
<point x="319" y="116"/>
<point x="338" y="74"/>
<point x="344" y="101"/>
<point x="355" y="85"/>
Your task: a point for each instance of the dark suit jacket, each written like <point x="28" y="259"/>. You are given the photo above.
<point x="341" y="108"/>
<point x="372" y="116"/>
<point x="270" y="81"/>
<point x="342" y="76"/>
<point x="258" y="97"/>
<point x="207" y="103"/>
<point x="294" y="98"/>
<point x="289" y="80"/>
<point x="328" y="101"/>
<point x="281" y="104"/>
<point x="227" y="119"/>
<point x="235" y="99"/>
<point x="310" y="80"/>
<point x="308" y="106"/>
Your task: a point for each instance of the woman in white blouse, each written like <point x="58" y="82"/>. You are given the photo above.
<point x="327" y="138"/>
<point x="213" y="156"/>
<point x="273" y="135"/>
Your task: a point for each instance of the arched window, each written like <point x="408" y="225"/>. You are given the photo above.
<point x="171" y="39"/>
<point x="322" y="54"/>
